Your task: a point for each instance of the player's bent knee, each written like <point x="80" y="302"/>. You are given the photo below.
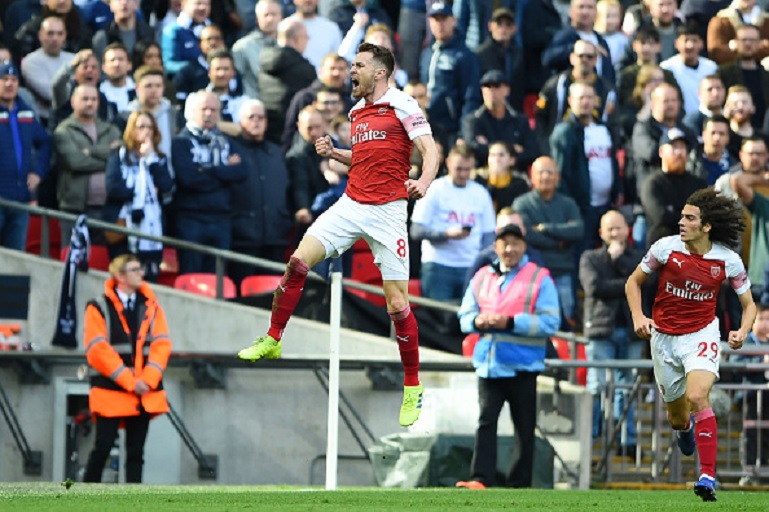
<point x="397" y="304"/>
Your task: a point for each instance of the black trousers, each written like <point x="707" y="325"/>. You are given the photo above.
<point x="751" y="434"/>
<point x="106" y="431"/>
<point x="521" y="393"/>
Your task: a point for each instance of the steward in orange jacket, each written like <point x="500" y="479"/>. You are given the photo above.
<point x="127" y="346"/>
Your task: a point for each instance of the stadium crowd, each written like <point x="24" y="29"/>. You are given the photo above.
<point x="197" y="119"/>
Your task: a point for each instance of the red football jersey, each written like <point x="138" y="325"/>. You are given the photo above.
<point x="689" y="283"/>
<point x="381" y="146"/>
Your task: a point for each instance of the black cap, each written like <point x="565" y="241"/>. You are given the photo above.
<point x="502" y="12"/>
<point x="510" y="229"/>
<point x="440" y="9"/>
<point x="493" y="77"/>
<point x="671" y="135"/>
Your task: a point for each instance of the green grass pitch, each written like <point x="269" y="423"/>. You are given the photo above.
<point x="41" y="497"/>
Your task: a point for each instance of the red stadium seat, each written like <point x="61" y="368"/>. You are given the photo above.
<point x="255" y="285"/>
<point x="204" y="284"/>
<point x="169" y="267"/>
<point x="363" y="267"/>
<point x="98" y="259"/>
<point x="35" y="235"/>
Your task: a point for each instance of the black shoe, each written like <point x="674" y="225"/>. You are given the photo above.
<point x="628" y="451"/>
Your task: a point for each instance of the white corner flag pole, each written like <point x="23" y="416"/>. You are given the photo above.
<point x="335" y="320"/>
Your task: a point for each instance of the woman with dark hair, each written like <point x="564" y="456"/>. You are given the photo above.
<point x="137" y="173"/>
<point x="148" y="53"/>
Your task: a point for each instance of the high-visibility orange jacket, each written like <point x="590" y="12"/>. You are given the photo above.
<point x="118" y="361"/>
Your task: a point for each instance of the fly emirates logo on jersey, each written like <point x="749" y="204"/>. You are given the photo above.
<point x="691" y="291"/>
<point x="364" y="134"/>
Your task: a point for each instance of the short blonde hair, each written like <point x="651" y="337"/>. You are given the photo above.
<point x="601" y="8"/>
<point x="118" y="265"/>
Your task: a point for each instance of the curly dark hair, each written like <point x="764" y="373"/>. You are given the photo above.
<point x="725" y="216"/>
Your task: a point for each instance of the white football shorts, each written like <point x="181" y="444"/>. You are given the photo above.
<point x="382" y="226"/>
<point x="676" y="356"/>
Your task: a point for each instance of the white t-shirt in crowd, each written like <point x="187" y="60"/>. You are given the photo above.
<point x="598" y="153"/>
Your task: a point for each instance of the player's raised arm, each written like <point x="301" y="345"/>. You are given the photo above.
<point x="641" y="323"/>
<point x="429" y="151"/>
<point x="324" y="146"/>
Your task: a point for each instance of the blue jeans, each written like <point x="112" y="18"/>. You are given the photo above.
<point x="440" y="282"/>
<point x="566" y="297"/>
<point x="619" y="346"/>
<point x="215" y="233"/>
<point x="13" y="228"/>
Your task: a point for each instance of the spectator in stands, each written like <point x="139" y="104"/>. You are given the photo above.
<point x="147" y="53"/>
<point x="712" y="95"/>
<point x="261" y="220"/>
<point x="329" y="103"/>
<point x="180" y="41"/>
<point x="513" y="305"/>
<point x="646" y="47"/>
<point x="83" y="143"/>
<point x="17" y="13"/>
<point x="22" y="92"/>
<point x="753" y="159"/>
<point x="323" y="34"/>
<point x="664" y="194"/>
<point x="283" y="71"/>
<point x="136" y="176"/>
<point x="149" y="96"/>
<point x="304" y="166"/>
<point x="333" y="75"/>
<point x="539" y="22"/>
<point x="247" y="49"/>
<point x="585" y="152"/>
<point x="757" y="204"/>
<point x="354" y="18"/>
<point x="40" y="66"/>
<point x="26" y="150"/>
<point x="607" y="322"/>
<point x="128" y="359"/>
<point x="557" y="57"/>
<point x="501" y="52"/>
<point x="688" y="66"/>
<point x="455" y="220"/>
<point x="496" y="121"/>
<point x="451" y="72"/>
<point x="552" y="106"/>
<point x="701" y="12"/>
<point x="126" y="28"/>
<point x="754" y="401"/>
<point x="662" y="16"/>
<point x="206" y="163"/>
<point x="711" y="159"/>
<point x="78" y="35"/>
<point x="643" y="152"/>
<point x="638" y="108"/>
<point x="608" y="24"/>
<point x="746" y="70"/>
<point x="194" y="75"/>
<point x="554" y="227"/>
<point x="117" y="87"/>
<point x="722" y="30"/>
<point x="221" y="73"/>
<point x="96" y="14"/>
<point x="412" y="29"/>
<point x="739" y="109"/>
<point x="473" y="18"/>
<point x="505" y="216"/>
<point x="83" y="70"/>
<point x="502" y="176"/>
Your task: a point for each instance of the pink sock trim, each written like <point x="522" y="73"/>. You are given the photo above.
<point x="703" y="414"/>
<point x="400" y="315"/>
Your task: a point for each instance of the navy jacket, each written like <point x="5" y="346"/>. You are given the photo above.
<point x="456" y="89"/>
<point x="34" y="147"/>
<point x="260" y="214"/>
<point x="556" y="56"/>
<point x="202" y="182"/>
